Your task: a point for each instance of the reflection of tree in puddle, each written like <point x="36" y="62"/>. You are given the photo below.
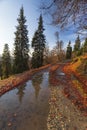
<point x="36" y="81"/>
<point x="20" y="92"/>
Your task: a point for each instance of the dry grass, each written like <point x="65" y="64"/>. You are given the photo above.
<point x="72" y="69"/>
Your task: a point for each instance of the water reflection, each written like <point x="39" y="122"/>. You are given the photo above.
<point x="21" y="92"/>
<point x="36" y="81"/>
<point x="19" y="109"/>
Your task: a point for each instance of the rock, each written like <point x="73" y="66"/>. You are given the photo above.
<point x="15" y="114"/>
<point x="9" y="124"/>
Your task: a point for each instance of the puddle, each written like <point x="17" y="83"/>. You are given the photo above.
<point x="26" y="107"/>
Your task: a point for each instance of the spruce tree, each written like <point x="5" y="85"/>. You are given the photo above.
<point x="38" y="44"/>
<point x="69" y="51"/>
<point x="77" y="46"/>
<point x="21" y="46"/>
<point x="85" y="46"/>
<point x="6" y="62"/>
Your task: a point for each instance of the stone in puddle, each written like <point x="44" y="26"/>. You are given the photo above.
<point x="62" y="74"/>
<point x="15" y="114"/>
<point x="9" y="124"/>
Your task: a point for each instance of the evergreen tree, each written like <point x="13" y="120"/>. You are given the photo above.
<point x="38" y="44"/>
<point x="21" y="46"/>
<point x="69" y="51"/>
<point x="85" y="46"/>
<point x="77" y="46"/>
<point x="6" y="62"/>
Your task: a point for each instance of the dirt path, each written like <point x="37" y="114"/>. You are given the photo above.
<point x="66" y="110"/>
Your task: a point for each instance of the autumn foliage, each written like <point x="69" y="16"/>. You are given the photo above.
<point x="80" y="81"/>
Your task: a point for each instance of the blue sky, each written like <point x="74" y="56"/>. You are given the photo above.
<point x="9" y="11"/>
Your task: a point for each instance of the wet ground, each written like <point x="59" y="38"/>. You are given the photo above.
<point x="26" y="107"/>
<point x="40" y="105"/>
<point x="64" y="114"/>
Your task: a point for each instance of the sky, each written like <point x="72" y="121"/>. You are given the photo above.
<point x="9" y="11"/>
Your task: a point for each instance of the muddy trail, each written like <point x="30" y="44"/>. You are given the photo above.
<point x="46" y="102"/>
<point x="66" y="109"/>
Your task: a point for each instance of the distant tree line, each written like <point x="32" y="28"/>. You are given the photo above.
<point x="79" y="49"/>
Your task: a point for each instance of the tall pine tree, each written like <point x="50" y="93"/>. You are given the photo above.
<point x="77" y="46"/>
<point x="21" y="46"/>
<point x="85" y="46"/>
<point x="6" y="62"/>
<point x="38" y="44"/>
<point x="69" y="51"/>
